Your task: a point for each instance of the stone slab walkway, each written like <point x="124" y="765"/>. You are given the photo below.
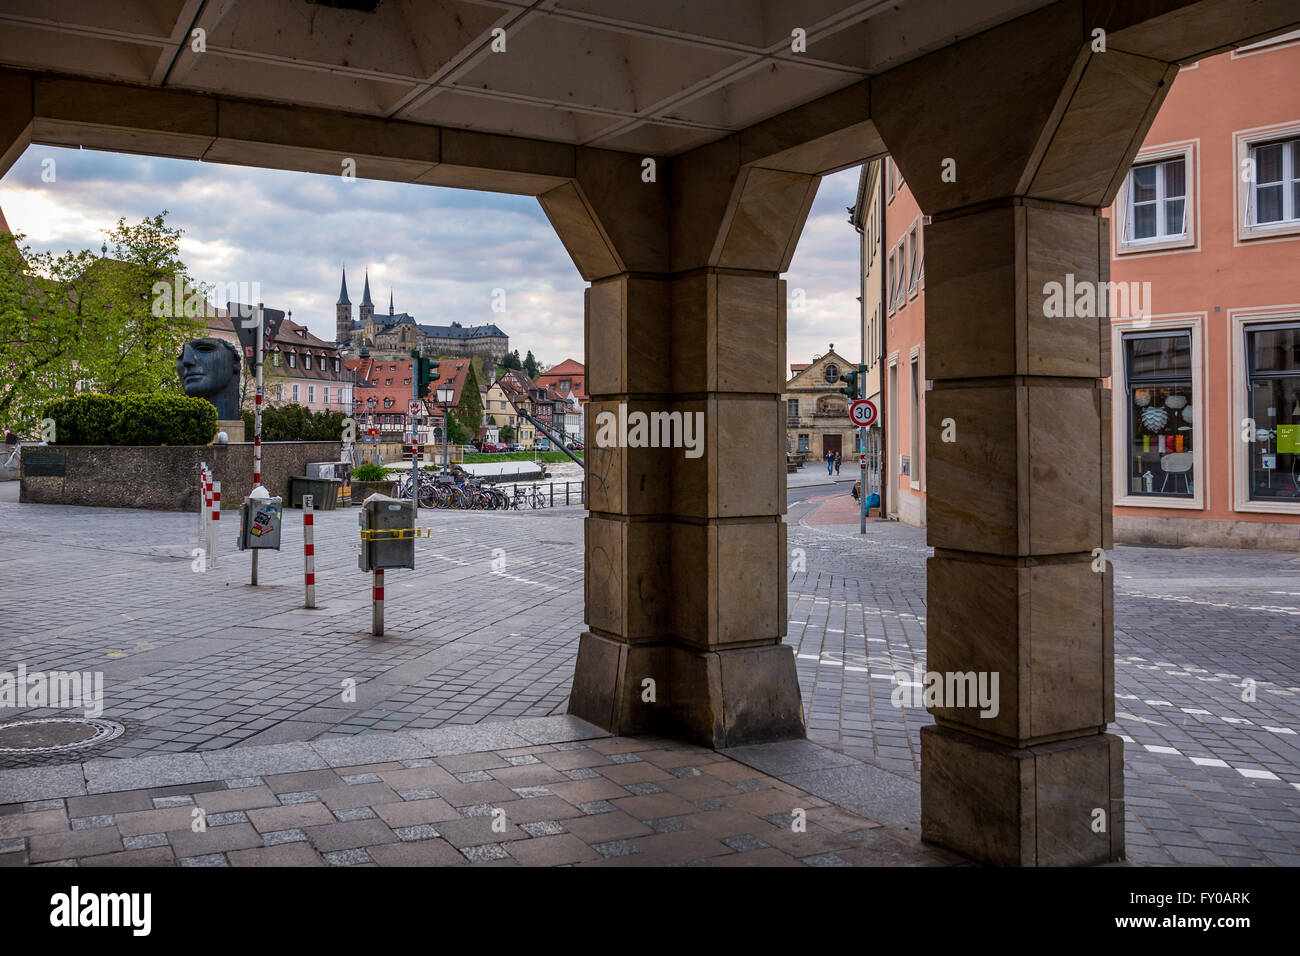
<point x="531" y="792"/>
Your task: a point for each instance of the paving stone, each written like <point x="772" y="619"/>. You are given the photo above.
<point x="551" y="850"/>
<point x="347" y="836"/>
<point x="542" y="828"/>
<point x="414" y="812"/>
<point x="284" y="854"/>
<point x="88" y="823"/>
<point x="359" y="795"/>
<point x="477" y="830"/>
<point x="246" y="798"/>
<point x="418" y="853"/>
<point x="295" y="815"/>
<point x="351" y="857"/>
<point x="43" y="847"/>
<point x="206" y="860"/>
<point x="144" y="841"/>
<point x="147" y="856"/>
<point x="154" y="821"/>
<point x="103" y="803"/>
<point x="236" y="836"/>
<point x="278" y="837"/>
<point x="26" y="824"/>
<point x="484" y="853"/>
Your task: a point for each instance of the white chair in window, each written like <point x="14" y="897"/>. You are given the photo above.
<point x="1179" y="463"/>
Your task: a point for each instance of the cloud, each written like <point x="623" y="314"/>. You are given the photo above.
<point x="441" y="251"/>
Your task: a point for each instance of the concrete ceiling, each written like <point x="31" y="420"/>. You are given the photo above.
<point x="674" y="74"/>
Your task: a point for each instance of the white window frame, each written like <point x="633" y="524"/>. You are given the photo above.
<point x="311" y="394"/>
<point x="1244" y="211"/>
<point x="892" y="279"/>
<point x="889" y="180"/>
<point x="325" y="395"/>
<point x="1123" y="210"/>
<point x="900" y="288"/>
<point x="293" y="360"/>
<point x="295" y="394"/>
<point x="1123" y="497"/>
<point x="1239" y="322"/>
<point x="914" y="255"/>
<point x="306" y="360"/>
<point x="916" y="437"/>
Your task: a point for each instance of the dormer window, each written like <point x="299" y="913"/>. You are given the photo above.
<point x="306" y="361"/>
<point x="292" y="360"/>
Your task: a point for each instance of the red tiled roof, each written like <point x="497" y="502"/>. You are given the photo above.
<point x="372" y="375"/>
<point x="568" y="369"/>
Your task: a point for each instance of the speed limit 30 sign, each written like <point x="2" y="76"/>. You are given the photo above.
<point x="863" y="413"/>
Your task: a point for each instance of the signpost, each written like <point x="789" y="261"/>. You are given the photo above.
<point x="862" y="413"/>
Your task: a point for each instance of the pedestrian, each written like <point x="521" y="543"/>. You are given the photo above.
<point x="837" y="463"/>
<point x="830" y="462"/>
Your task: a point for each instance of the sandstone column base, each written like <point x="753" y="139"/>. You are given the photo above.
<point x="723" y="698"/>
<point x="1056" y="804"/>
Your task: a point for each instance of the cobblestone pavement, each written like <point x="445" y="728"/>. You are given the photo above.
<point x="1209" y="778"/>
<point x="201" y="661"/>
<point x="594" y="801"/>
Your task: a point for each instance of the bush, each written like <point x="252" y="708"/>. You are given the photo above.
<point x="369" y="472"/>
<point x="132" y="420"/>
<point x="296" y="423"/>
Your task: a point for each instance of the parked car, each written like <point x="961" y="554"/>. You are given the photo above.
<point x="514" y="446"/>
<point x="574" y="446"/>
<point x="492" y="447"/>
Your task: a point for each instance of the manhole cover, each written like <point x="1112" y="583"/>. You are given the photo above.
<point x="49" y="734"/>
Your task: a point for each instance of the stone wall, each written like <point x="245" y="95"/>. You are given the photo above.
<point x="1206" y="533"/>
<point x="165" y="477"/>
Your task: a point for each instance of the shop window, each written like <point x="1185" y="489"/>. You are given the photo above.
<point x="1159" y="396"/>
<point x="1273" y="368"/>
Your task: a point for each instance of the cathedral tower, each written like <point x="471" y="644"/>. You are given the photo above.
<point x="343" y="315"/>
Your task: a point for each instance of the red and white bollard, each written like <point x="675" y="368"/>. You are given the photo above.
<point x="309" y="550"/>
<point x="203" y="498"/>
<point x="212" y="527"/>
<point x="377" y="617"/>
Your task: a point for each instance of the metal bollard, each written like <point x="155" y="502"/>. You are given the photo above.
<point x="377" y="597"/>
<point x="212" y="527"/>
<point x="309" y="550"/>
<point x="552" y="484"/>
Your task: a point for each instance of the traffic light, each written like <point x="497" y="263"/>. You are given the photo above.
<point x="426" y="373"/>
<point x="850" y="379"/>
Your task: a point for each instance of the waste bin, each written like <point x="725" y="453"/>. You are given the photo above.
<point x="324" y="492"/>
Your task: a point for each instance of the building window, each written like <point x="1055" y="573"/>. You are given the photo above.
<point x="295" y="393"/>
<point x="279" y="393"/>
<point x="292" y="363"/>
<point x="1273" y="373"/>
<point x="1275" y="197"/>
<point x="388" y="381"/>
<point x="900" y="283"/>
<point x="311" y="394"/>
<point x="892" y="294"/>
<point x="325" y="394"/>
<point x="306" y="361"/>
<point x="914" y="256"/>
<point x="889" y="178"/>
<point x="1160" y="442"/>
<point x="1157" y="201"/>
<point x="792" y="408"/>
<point x="804" y="445"/>
<point x="275" y="359"/>
<point x="336" y="365"/>
<point x="915" y="451"/>
<point x="832" y="372"/>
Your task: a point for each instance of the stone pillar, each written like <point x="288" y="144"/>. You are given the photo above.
<point x="685" y="547"/>
<point x="16" y="113"/>
<point x="1020" y="499"/>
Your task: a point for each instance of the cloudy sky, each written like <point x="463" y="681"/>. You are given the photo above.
<point x="441" y="251"/>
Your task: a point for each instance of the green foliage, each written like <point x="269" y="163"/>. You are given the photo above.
<point x="511" y="360"/>
<point x="506" y="433"/>
<point x="132" y="420"/>
<point x="531" y="366"/>
<point x="79" y="320"/>
<point x="369" y="472"/>
<point x="296" y="423"/>
<point x="467" y="416"/>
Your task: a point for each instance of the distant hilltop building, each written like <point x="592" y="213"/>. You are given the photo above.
<point x="394" y="335"/>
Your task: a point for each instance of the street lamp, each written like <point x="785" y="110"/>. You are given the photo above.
<point x="445" y="395"/>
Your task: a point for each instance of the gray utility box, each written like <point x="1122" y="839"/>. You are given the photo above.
<point x="259" y="523"/>
<point x="382" y="515"/>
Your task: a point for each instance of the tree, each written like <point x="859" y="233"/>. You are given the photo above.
<point x="531" y="366"/>
<point x="467" y="416"/>
<point x="506" y="433"/>
<point x="511" y="360"/>
<point x="82" y="322"/>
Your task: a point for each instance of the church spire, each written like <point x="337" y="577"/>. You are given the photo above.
<point x="390" y="301"/>
<point x="343" y="290"/>
<point x="365" y="298"/>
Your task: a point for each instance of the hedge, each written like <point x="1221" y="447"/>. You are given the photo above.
<point x="296" y="423"/>
<point x="132" y="420"/>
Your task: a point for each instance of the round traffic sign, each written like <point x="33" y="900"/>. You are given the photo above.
<point x="863" y="412"/>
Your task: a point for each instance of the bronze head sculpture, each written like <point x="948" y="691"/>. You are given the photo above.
<point x="209" y="368"/>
